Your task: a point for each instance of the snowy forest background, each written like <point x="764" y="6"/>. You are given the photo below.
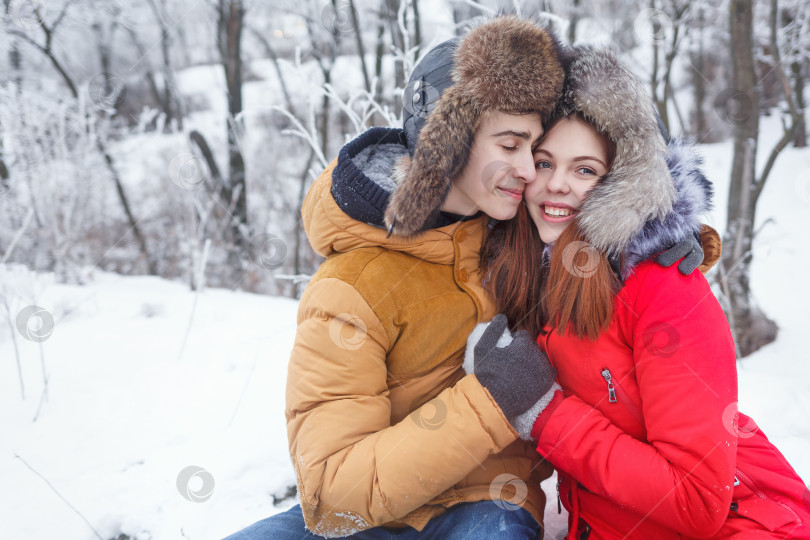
<point x="153" y="159"/>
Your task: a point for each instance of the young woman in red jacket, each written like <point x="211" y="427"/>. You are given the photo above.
<point x="642" y="422"/>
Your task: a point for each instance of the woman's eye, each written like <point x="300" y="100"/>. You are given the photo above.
<point x="509" y="148"/>
<point x="542" y="165"/>
<point x="586" y="170"/>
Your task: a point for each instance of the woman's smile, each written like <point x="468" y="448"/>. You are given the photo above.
<point x="557" y="212"/>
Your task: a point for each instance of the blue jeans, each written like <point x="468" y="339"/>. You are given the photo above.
<point x="483" y="520"/>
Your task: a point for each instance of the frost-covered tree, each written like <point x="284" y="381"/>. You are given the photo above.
<point x="751" y="327"/>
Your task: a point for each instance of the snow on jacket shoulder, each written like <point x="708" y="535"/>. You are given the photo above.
<point x="647" y="437"/>
<point x="383" y="425"/>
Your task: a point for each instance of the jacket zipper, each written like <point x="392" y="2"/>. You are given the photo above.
<point x="611" y="387"/>
<point x="745" y="479"/>
<point x="616" y="393"/>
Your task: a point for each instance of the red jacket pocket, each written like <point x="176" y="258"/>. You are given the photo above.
<point x="769" y="513"/>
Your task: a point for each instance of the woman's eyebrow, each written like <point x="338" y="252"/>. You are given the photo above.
<point x="592" y="158"/>
<point x="577" y="158"/>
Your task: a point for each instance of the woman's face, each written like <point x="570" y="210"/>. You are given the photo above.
<point x="570" y="160"/>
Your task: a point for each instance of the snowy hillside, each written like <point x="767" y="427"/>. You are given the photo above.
<point x="129" y="408"/>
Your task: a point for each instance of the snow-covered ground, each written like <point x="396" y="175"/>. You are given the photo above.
<point x="142" y="385"/>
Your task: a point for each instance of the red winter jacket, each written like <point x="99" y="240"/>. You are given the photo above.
<point x="647" y="440"/>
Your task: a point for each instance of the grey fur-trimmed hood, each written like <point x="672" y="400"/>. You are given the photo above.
<point x="639" y="188"/>
<point x="693" y="199"/>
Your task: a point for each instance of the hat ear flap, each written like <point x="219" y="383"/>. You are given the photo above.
<point x="440" y="156"/>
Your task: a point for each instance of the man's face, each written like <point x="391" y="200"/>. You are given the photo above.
<point x="499" y="167"/>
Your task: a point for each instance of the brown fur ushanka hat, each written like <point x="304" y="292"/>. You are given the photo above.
<point x="507" y="64"/>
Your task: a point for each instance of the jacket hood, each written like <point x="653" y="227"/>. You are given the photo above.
<point x="344" y="208"/>
<point x="692" y="200"/>
<point x="655" y="192"/>
<point x="363" y="178"/>
<point x="639" y="186"/>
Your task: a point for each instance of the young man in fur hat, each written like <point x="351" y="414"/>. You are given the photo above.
<point x="385" y="429"/>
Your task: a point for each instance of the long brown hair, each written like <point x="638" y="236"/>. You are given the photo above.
<point x="573" y="291"/>
<point x="512" y="257"/>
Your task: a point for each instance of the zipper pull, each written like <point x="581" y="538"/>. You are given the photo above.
<point x="559" y="501"/>
<point x="611" y="388"/>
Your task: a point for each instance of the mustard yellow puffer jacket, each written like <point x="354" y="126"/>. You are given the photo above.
<point x="384" y="426"/>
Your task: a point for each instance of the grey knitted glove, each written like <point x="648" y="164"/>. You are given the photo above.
<point x="689" y="248"/>
<point x="517" y="375"/>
